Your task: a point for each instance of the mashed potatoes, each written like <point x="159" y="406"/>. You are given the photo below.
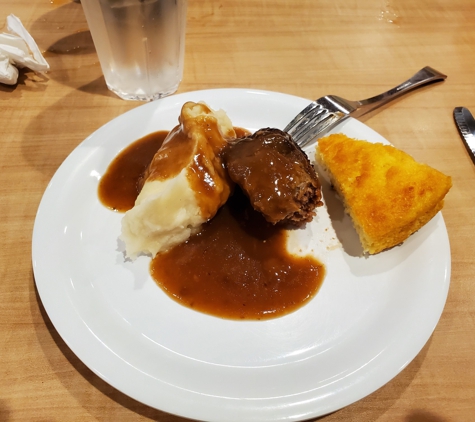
<point x="184" y="186"/>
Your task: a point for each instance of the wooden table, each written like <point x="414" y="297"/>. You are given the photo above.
<point x="308" y="48"/>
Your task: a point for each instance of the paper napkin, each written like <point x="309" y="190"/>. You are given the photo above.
<point x="18" y="49"/>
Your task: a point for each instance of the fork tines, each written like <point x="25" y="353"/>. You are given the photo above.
<point x="315" y="119"/>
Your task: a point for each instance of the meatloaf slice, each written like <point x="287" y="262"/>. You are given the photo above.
<point x="276" y="175"/>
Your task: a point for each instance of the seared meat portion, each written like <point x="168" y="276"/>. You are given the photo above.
<point x="276" y="175"/>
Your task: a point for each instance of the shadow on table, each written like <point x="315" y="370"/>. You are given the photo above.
<point x="27" y="81"/>
<point x="81" y="391"/>
<point x="63" y="32"/>
<point x="52" y="134"/>
<point x="4" y="411"/>
<point x="424" y="416"/>
<point x="64" y="35"/>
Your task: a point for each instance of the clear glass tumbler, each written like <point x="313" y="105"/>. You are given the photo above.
<point x="140" y="44"/>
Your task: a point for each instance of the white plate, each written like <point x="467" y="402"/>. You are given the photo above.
<point x="369" y="320"/>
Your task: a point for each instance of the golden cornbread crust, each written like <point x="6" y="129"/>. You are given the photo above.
<point x="386" y="192"/>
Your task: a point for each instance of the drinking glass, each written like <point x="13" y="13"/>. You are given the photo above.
<point x="140" y="44"/>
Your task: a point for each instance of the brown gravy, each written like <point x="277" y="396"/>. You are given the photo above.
<point x="237" y="267"/>
<point x="121" y="183"/>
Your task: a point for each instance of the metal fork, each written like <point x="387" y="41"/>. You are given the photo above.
<point x="324" y="114"/>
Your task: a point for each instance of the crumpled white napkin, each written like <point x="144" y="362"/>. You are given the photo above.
<point x="18" y="49"/>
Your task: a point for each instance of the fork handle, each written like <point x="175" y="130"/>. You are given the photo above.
<point x="424" y="76"/>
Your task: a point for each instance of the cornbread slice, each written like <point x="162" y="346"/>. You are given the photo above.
<point x="184" y="185"/>
<point x="385" y="191"/>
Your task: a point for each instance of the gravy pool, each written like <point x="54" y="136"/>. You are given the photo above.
<point x="236" y="267"/>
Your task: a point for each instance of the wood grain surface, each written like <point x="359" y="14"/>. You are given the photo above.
<point x="307" y="48"/>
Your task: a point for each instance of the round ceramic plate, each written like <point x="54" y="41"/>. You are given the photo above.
<point x="370" y="318"/>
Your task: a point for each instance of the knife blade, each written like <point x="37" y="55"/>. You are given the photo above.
<point x="466" y="126"/>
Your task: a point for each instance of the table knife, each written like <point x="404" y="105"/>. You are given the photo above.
<point x="466" y="126"/>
